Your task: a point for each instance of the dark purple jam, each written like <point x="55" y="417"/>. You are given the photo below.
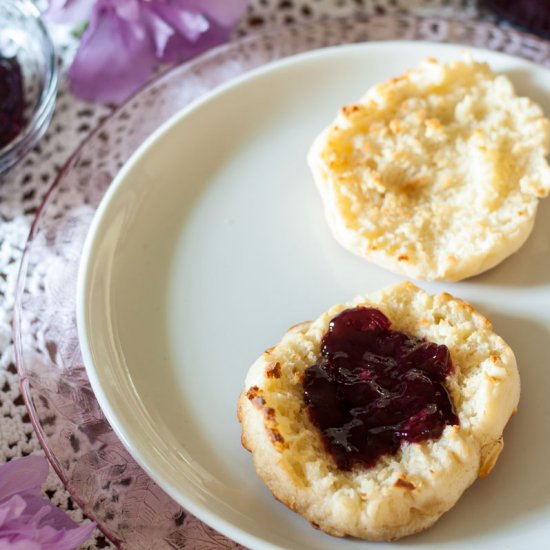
<point x="12" y="101"/>
<point x="374" y="387"/>
<point x="531" y="14"/>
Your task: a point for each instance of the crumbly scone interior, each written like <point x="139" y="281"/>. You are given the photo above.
<point x="403" y="493"/>
<point x="435" y="174"/>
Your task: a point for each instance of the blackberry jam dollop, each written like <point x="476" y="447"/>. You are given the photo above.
<point x="374" y="387"/>
<point x="12" y="101"/>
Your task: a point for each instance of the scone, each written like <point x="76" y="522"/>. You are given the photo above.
<point x="372" y="420"/>
<point x="435" y="174"/>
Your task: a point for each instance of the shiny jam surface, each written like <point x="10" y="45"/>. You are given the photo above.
<point x="12" y="101"/>
<point x="374" y="387"/>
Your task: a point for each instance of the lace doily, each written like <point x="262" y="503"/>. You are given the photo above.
<point x="24" y="188"/>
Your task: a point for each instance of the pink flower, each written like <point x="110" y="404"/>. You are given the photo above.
<point x="125" y="39"/>
<point x="28" y="522"/>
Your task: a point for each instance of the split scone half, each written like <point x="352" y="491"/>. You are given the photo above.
<point x="398" y="493"/>
<point x="435" y="174"/>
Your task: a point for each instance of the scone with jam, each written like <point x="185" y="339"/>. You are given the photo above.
<point x="372" y="420"/>
<point x="435" y="174"/>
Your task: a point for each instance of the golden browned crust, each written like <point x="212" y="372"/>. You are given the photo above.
<point x="435" y="174"/>
<point x="402" y="494"/>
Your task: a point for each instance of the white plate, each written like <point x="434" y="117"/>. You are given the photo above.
<point x="212" y="241"/>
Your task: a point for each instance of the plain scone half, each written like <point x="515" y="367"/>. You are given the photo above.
<point x="435" y="174"/>
<point x="403" y="493"/>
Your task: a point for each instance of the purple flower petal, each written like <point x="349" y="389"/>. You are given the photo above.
<point x="125" y="38"/>
<point x="45" y="536"/>
<point x="179" y="48"/>
<point x="22" y="475"/>
<point x="28" y="522"/>
<point x="198" y="25"/>
<point x="68" y="11"/>
<point x="42" y="512"/>
<point x="11" y="509"/>
<point x="126" y="9"/>
<point x="49" y="537"/>
<point x="190" y="24"/>
<point x="160" y="31"/>
<point x="116" y="55"/>
<point x="225" y="12"/>
<point x="19" y="545"/>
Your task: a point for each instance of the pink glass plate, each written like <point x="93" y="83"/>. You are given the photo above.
<point x="95" y="467"/>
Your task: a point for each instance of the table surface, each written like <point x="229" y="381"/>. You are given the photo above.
<point x="23" y="189"/>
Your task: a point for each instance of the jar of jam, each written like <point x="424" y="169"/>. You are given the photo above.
<point x="12" y="100"/>
<point x="28" y="80"/>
